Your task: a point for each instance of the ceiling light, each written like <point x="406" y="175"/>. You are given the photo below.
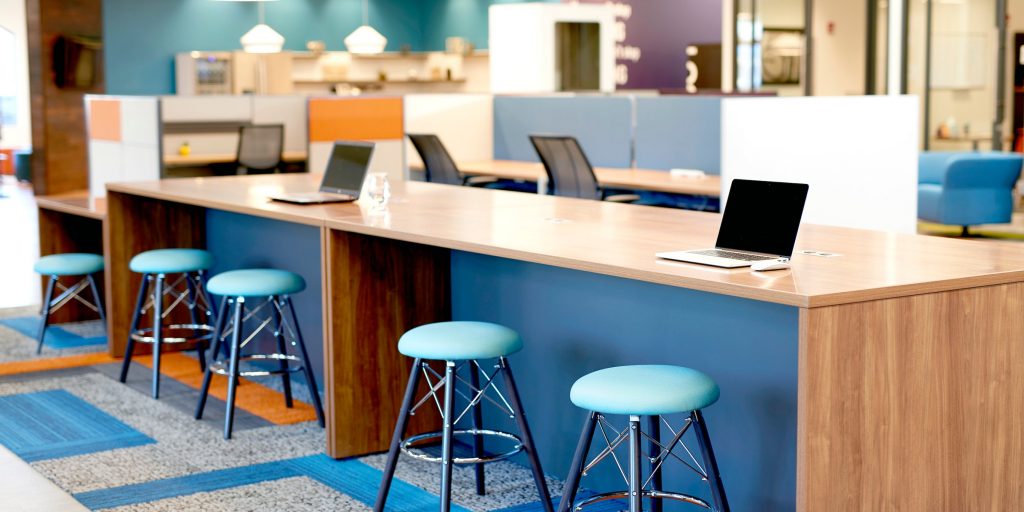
<point x="365" y="40"/>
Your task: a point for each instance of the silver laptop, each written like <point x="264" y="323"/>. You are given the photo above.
<point x="343" y="179"/>
<point x="760" y="222"/>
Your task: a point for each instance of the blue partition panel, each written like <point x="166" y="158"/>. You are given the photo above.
<point x="244" y="241"/>
<point x="679" y="132"/>
<point x="575" y="322"/>
<point x="602" y="124"/>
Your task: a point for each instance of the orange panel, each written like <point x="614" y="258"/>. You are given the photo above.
<point x="54" y="363"/>
<point x="105" y="120"/>
<point x="355" y="119"/>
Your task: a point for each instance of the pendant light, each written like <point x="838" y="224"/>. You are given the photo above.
<point x="262" y="38"/>
<point x="365" y="40"/>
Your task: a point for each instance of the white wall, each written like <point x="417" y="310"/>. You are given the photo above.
<point x="15" y="74"/>
<point x="839" y="56"/>
<point x="857" y="153"/>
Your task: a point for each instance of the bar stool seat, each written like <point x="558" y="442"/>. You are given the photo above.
<point x="644" y="390"/>
<point x="70" y="264"/>
<point x="459" y="341"/>
<point x="171" y="261"/>
<point x="259" y="282"/>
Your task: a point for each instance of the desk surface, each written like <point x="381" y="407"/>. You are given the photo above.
<point x="634" y="179"/>
<point x="75" y="203"/>
<point x="619" y="239"/>
<point x="176" y="160"/>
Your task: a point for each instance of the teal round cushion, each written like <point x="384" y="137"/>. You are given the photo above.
<point x="257" y="282"/>
<point x="70" y="264"/>
<point x="171" y="261"/>
<point x="644" y="390"/>
<point x="460" y="341"/>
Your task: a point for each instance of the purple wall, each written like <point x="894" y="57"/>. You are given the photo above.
<point x="661" y="30"/>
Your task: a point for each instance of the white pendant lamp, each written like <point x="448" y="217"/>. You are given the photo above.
<point x="262" y="38"/>
<point x="365" y="40"/>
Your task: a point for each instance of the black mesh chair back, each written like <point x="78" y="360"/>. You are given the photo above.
<point x="260" y="148"/>
<point x="569" y="171"/>
<point x="437" y="162"/>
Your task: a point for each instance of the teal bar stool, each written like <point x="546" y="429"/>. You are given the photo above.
<point x="56" y="266"/>
<point x="461" y="345"/>
<point x="651" y="391"/>
<point x="272" y="290"/>
<point x="162" y="296"/>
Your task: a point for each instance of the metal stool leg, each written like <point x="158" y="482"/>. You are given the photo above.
<point x="527" y="437"/>
<point x="446" y="439"/>
<point x="572" y="481"/>
<point x="218" y="330"/>
<point x="158" y="296"/>
<point x="654" y="431"/>
<point x="636" y="496"/>
<point x="136" y="315"/>
<point x="99" y="302"/>
<point x="711" y="464"/>
<point x="45" y="314"/>
<point x="478" y="422"/>
<point x="236" y="341"/>
<point x="282" y="349"/>
<point x="396" y="439"/>
<point x="214" y="311"/>
<point x="314" y="392"/>
<point x="193" y="303"/>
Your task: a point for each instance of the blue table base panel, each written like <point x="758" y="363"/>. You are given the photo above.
<point x="459" y="345"/>
<point x="285" y="328"/>
<point x="160" y="294"/>
<point x="82" y="266"/>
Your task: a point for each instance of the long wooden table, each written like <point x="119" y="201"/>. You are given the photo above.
<point x="889" y="377"/>
<point x="632" y="179"/>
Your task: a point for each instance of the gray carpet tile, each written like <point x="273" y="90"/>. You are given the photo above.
<point x="297" y="494"/>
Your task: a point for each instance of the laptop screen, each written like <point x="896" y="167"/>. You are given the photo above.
<point x="347" y="168"/>
<point x="762" y="216"/>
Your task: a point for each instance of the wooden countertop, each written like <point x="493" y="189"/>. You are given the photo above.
<point x="75" y="203"/>
<point x="176" y="160"/>
<point x="620" y="239"/>
<point x="634" y="179"/>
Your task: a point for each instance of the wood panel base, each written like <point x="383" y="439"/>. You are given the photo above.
<point x="60" y="233"/>
<point x="914" y="403"/>
<point x="375" y="290"/>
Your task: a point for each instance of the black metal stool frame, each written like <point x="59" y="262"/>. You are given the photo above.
<point x="659" y="453"/>
<point x="52" y="304"/>
<point x="512" y="405"/>
<point x="201" y="333"/>
<point x="278" y="305"/>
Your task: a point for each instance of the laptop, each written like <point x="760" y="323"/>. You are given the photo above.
<point x="343" y="179"/>
<point x="760" y="222"/>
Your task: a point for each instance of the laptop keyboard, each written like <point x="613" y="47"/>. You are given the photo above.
<point x="742" y="256"/>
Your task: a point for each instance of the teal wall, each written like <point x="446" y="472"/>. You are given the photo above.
<point x="141" y="37"/>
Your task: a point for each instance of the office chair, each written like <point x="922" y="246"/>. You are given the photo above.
<point x="439" y="165"/>
<point x="260" y="148"/>
<point x="569" y="172"/>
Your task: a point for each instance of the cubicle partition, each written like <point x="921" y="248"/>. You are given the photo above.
<point x="368" y="118"/>
<point x="679" y="132"/>
<point x="463" y="122"/>
<point x="123" y="136"/>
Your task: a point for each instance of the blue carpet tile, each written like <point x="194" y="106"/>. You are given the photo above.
<point x="53" y="424"/>
<point x="56" y="336"/>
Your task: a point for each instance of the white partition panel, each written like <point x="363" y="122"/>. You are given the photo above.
<point x="204" y="109"/>
<point x="287" y="110"/>
<point x="464" y="123"/>
<point x="857" y="153"/>
<point x="123" y="138"/>
<point x="387" y="157"/>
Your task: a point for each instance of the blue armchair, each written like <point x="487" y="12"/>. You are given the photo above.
<point x="967" y="188"/>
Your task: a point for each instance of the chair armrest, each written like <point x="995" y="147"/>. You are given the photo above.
<point x="478" y="181"/>
<point x="983" y="171"/>
<point x="932" y="166"/>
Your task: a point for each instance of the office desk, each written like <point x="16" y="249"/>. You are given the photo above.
<point x="199" y="160"/>
<point x="888" y="377"/>
<point x="632" y="179"/>
<point x="71" y="222"/>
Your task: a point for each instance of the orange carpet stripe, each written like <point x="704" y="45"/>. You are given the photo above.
<point x="55" y="363"/>
<point x="252" y="397"/>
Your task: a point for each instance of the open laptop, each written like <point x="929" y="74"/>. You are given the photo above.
<point x="343" y="179"/>
<point x="760" y="222"/>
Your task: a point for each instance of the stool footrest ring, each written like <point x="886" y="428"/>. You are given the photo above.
<point x="221" y="367"/>
<point x="664" y="495"/>
<point x="407" y="448"/>
<point x="172" y="333"/>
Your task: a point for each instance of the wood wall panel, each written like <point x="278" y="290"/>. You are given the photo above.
<point x="914" y="403"/>
<point x="62" y="233"/>
<point x="135" y="224"/>
<point x="377" y="289"/>
<point x="59" y="149"/>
